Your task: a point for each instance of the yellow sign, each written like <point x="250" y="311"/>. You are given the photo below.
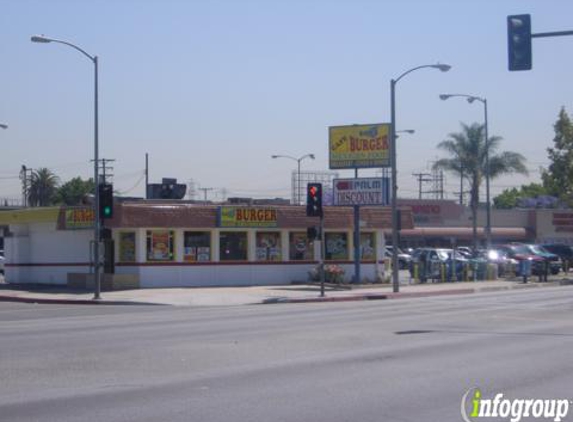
<point x="79" y="218"/>
<point x="247" y="217"/>
<point x="359" y="146"/>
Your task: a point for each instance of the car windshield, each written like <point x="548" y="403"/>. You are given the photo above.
<point x="443" y="253"/>
<point x="538" y="250"/>
<point x="520" y="249"/>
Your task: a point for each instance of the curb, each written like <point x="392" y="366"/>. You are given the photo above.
<point x="405" y="295"/>
<point x="48" y="301"/>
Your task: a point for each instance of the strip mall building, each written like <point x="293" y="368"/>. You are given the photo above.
<point x="162" y="244"/>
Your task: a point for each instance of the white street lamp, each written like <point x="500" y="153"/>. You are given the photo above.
<point x="94" y="60"/>
<point x="298" y="160"/>
<point x="393" y="82"/>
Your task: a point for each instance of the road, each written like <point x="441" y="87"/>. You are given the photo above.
<point x="395" y="360"/>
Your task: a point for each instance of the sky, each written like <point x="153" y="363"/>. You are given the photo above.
<point x="211" y="89"/>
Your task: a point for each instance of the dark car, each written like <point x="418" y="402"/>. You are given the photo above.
<point x="565" y="252"/>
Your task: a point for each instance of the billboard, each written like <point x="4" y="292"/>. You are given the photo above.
<point x="362" y="192"/>
<point x="359" y="146"/>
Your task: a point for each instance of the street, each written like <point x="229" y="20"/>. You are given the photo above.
<point x="392" y="360"/>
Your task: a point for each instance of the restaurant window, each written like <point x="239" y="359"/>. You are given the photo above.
<point x="197" y="246"/>
<point x="300" y="247"/>
<point x="367" y="247"/>
<point x="268" y="246"/>
<point x="336" y="246"/>
<point x="127" y="247"/>
<point x="160" y="244"/>
<point x="233" y="246"/>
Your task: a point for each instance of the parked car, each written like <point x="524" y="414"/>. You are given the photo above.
<point x="565" y="252"/>
<point x="500" y="258"/>
<point x="404" y="259"/>
<point x="428" y="262"/>
<point x="2" y="264"/>
<point x="522" y="252"/>
<point x="555" y="263"/>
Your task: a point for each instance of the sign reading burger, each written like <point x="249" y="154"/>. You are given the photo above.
<point x="359" y="146"/>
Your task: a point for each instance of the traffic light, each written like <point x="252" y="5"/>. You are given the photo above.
<point x="314" y="200"/>
<point x="105" y="200"/>
<point x="519" y="42"/>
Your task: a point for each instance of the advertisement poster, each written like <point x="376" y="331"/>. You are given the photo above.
<point x="127" y="247"/>
<point x="160" y="245"/>
<point x="359" y="146"/>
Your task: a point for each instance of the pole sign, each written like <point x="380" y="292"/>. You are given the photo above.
<point x="362" y="191"/>
<point x="359" y="146"/>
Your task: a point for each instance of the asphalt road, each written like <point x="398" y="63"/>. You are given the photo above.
<point x="395" y="360"/>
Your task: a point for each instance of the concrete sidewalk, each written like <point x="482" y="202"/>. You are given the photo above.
<point x="232" y="296"/>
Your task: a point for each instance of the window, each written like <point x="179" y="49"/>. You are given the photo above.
<point x="127" y="247"/>
<point x="160" y="245"/>
<point x="367" y="246"/>
<point x="233" y="246"/>
<point x="300" y="248"/>
<point x="268" y="246"/>
<point x="336" y="246"/>
<point x="197" y="246"/>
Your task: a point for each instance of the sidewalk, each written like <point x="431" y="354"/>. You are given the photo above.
<point x="232" y="296"/>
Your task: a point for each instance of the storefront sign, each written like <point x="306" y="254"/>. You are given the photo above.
<point x="359" y="146"/>
<point x="247" y="217"/>
<point x="78" y="218"/>
<point x="364" y="191"/>
<point x="563" y="221"/>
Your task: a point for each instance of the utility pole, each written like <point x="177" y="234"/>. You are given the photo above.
<point x="205" y="190"/>
<point x="26" y="178"/>
<point x="422" y="178"/>
<point x="105" y="168"/>
<point x="146" y="175"/>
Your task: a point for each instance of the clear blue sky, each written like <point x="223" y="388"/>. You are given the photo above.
<point x="211" y="89"/>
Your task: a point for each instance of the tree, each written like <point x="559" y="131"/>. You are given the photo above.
<point x="468" y="160"/>
<point x="42" y="189"/>
<point x="558" y="178"/>
<point x="75" y="191"/>
<point x="510" y="198"/>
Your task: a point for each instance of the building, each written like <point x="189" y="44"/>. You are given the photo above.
<point x="169" y="243"/>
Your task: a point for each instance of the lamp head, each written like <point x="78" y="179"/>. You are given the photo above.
<point x="3" y="126"/>
<point x="444" y="96"/>
<point x="274" y="156"/>
<point x="443" y="67"/>
<point x="40" y="38"/>
<point x="311" y="156"/>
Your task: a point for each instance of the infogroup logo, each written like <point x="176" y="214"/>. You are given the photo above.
<point x="475" y="407"/>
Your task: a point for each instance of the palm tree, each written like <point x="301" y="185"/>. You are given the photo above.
<point x="42" y="188"/>
<point x="468" y="160"/>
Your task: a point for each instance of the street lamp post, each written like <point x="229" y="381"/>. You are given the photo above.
<point x="94" y="60"/>
<point x="298" y="160"/>
<point x="393" y="82"/>
<point x="471" y="99"/>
